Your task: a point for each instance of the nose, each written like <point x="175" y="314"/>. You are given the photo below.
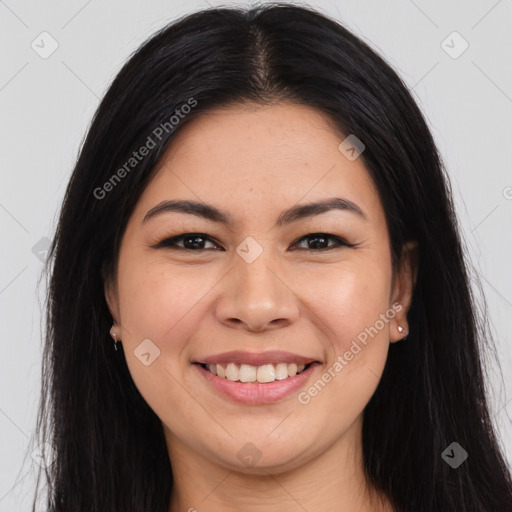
<point x="257" y="296"/>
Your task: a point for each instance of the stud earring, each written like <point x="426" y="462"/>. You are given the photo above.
<point x="401" y="329"/>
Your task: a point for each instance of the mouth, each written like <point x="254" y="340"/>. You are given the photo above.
<point x="263" y="374"/>
<point x="256" y="385"/>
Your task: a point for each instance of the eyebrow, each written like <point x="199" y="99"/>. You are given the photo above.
<point x="289" y="216"/>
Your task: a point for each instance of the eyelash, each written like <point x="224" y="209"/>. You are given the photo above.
<point x="170" y="243"/>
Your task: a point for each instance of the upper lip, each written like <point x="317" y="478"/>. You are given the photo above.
<point x="253" y="359"/>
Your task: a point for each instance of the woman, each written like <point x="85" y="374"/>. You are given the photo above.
<point x="260" y="221"/>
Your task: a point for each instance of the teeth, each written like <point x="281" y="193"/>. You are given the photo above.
<point x="247" y="373"/>
<point x="262" y="374"/>
<point x="266" y="373"/>
<point x="232" y="372"/>
<point x="221" y="372"/>
<point x="281" y="371"/>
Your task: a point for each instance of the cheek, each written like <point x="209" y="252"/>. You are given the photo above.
<point x="351" y="307"/>
<point x="160" y="305"/>
<point x="165" y="308"/>
<point x="349" y="299"/>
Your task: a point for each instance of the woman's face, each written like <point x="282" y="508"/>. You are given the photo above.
<point x="255" y="279"/>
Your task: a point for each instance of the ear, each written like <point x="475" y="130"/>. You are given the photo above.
<point x="112" y="299"/>
<point x="403" y="288"/>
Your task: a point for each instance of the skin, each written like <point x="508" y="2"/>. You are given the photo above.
<point x="253" y="162"/>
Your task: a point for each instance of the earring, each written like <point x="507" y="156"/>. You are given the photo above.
<point x="113" y="334"/>
<point x="401" y="329"/>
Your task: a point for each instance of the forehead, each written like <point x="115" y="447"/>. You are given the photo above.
<point x="259" y="158"/>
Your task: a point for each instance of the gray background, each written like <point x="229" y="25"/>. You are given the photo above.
<point x="47" y="104"/>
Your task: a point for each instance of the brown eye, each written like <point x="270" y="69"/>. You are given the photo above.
<point x="191" y="241"/>
<point x="319" y="241"/>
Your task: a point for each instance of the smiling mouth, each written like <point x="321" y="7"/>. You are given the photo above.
<point x="264" y="374"/>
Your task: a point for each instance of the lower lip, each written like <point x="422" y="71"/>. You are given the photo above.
<point x="256" y="393"/>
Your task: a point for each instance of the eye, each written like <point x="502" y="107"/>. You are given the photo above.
<point x="321" y="239"/>
<point x="195" y="242"/>
<point x="191" y="241"/>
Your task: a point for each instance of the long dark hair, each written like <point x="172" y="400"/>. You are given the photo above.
<point x="110" y="448"/>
